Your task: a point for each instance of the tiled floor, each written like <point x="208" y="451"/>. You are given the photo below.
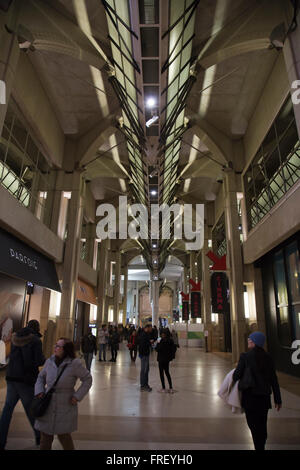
<point x="116" y="415"/>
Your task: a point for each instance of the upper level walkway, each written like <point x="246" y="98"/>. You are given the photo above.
<point x="116" y="415"/>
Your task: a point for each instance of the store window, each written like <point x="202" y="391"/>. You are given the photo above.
<point x="24" y="170"/>
<point x="282" y="303"/>
<point x="293" y="270"/>
<point x="287" y="289"/>
<point x="275" y="168"/>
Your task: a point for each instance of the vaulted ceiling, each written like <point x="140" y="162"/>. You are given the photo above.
<point x="203" y="63"/>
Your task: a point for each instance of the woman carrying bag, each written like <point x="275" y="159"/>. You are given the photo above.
<point x="61" y="415"/>
<point x="257" y="380"/>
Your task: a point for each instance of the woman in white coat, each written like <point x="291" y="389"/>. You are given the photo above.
<point x="61" y="416"/>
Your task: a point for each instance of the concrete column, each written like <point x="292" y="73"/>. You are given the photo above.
<point x="193" y="273"/>
<point x="50" y="200"/>
<point x="291" y="53"/>
<point x="137" y="304"/>
<point x="44" y="312"/>
<point x="34" y="193"/>
<point x="102" y="281"/>
<point x="65" y="322"/>
<point x="155" y="302"/>
<point x="117" y="287"/>
<point x="235" y="264"/>
<point x="259" y="300"/>
<point x="206" y="288"/>
<point x="90" y="243"/>
<point x="125" y="274"/>
<point x="9" y="56"/>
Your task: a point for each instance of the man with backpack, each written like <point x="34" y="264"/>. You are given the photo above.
<point x="23" y="368"/>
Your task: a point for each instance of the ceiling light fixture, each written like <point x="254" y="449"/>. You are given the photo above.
<point x="151" y="102"/>
<point x="152" y="121"/>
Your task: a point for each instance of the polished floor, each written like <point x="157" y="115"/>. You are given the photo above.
<point x="115" y="415"/>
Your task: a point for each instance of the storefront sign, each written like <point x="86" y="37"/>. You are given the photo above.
<point x="195" y="298"/>
<point x="21" y="261"/>
<point x="195" y="304"/>
<point x="219" y="293"/>
<point x="185" y="306"/>
<point x="86" y="293"/>
<point x="185" y="310"/>
<point x="219" y="263"/>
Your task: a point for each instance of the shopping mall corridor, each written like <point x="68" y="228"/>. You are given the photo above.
<point x="116" y="415"/>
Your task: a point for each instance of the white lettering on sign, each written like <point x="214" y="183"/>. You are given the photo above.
<point x="23" y="259"/>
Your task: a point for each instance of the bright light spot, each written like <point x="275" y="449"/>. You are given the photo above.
<point x="151" y="102"/>
<point x="246" y="304"/>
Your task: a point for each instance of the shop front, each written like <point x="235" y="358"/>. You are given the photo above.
<point x="281" y="283"/>
<point x="85" y="312"/>
<point x="22" y="268"/>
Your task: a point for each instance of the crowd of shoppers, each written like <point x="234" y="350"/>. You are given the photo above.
<point x="254" y="377"/>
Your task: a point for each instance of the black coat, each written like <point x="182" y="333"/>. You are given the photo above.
<point x="114" y="340"/>
<point x="144" y="343"/>
<point x="265" y="382"/>
<point x="25" y="358"/>
<point x="165" y="349"/>
<point x="89" y="344"/>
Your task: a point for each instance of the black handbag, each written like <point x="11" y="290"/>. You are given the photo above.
<point x="39" y="405"/>
<point x="247" y="381"/>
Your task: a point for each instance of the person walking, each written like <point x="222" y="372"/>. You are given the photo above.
<point x="257" y="380"/>
<point x="165" y="353"/>
<point x="132" y="345"/>
<point x="145" y="344"/>
<point x="61" y="416"/>
<point x="114" y="344"/>
<point x="89" y="348"/>
<point x="103" y="340"/>
<point x="22" y="371"/>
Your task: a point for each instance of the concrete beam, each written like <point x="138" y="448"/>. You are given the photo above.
<point x="19" y="221"/>
<point x="51" y="31"/>
<point x="248" y="32"/>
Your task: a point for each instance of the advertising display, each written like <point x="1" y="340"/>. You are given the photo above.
<point x="12" y="293"/>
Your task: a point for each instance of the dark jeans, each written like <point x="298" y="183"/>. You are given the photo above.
<point x="257" y="422"/>
<point x="114" y="353"/>
<point x="164" y="367"/>
<point x="16" y="391"/>
<point x="144" y="371"/>
<point x="102" y="351"/>
<point x="88" y="357"/>
<point x="133" y="354"/>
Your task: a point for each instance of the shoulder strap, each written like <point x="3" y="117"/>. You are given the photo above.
<point x="59" y="376"/>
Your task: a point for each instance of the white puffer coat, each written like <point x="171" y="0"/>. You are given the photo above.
<point x="61" y="416"/>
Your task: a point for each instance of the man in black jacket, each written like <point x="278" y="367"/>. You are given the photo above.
<point x="23" y="368"/>
<point x="145" y="343"/>
<point x="88" y="348"/>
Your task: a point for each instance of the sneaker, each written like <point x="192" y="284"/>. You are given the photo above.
<point x="148" y="389"/>
<point x="163" y="390"/>
<point x="171" y="391"/>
